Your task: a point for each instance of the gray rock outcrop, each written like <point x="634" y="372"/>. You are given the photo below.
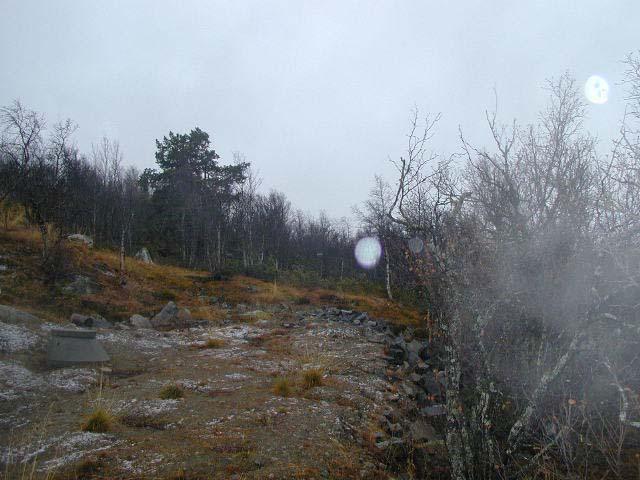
<point x="79" y="238"/>
<point x="90" y="321"/>
<point x="144" y="256"/>
<point x="172" y="317"/>
<point x="81" y="285"/>
<point x="138" y="321"/>
<point x="14" y="316"/>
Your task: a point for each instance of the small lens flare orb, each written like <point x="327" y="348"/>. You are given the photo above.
<point x="596" y="90"/>
<point x="416" y="245"/>
<point x="368" y="252"/>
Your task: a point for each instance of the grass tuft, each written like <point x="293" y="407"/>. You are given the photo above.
<point x="214" y="343"/>
<point x="312" y="378"/>
<point x="100" y="421"/>
<point x="282" y="387"/>
<point x="171" y="392"/>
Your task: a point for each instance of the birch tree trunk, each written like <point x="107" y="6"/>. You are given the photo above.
<point x="388" y="272"/>
<point x="123" y="278"/>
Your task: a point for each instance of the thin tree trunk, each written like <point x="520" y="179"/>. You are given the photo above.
<point x="219" y="248"/>
<point x="457" y="432"/>
<point x="123" y="277"/>
<point x="388" y="273"/>
<point x="44" y="233"/>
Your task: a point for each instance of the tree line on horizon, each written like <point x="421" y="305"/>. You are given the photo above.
<point x="191" y="210"/>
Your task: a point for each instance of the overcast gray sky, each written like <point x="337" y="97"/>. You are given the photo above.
<point x="316" y="94"/>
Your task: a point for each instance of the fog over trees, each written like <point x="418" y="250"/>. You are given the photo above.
<point x="524" y="253"/>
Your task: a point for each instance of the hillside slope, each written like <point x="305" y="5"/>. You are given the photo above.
<point x="266" y="382"/>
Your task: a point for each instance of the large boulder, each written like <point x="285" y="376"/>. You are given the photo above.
<point x="418" y="348"/>
<point x="434" y="410"/>
<point x="79" y="238"/>
<point x="81" y="285"/>
<point x="90" y="321"/>
<point x="14" y="316"/>
<point x="398" y="349"/>
<point x="421" y="431"/>
<point x="144" y="256"/>
<point x="138" y="321"/>
<point x="431" y="385"/>
<point x="172" y="317"/>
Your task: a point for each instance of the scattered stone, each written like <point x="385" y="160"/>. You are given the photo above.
<point x="90" y="321"/>
<point x="421" y="431"/>
<point x="393" y="397"/>
<point x="421" y="368"/>
<point x="430" y="385"/>
<point x="104" y="269"/>
<point x="184" y="317"/>
<point x="144" y="256"/>
<point x="172" y="317"/>
<point x="79" y="238"/>
<point x="82" y="285"/>
<point x="390" y="415"/>
<point x="394" y="449"/>
<point x="395" y="429"/>
<point x="418" y="348"/>
<point x="208" y="299"/>
<point x="18" y="317"/>
<point x="257" y="314"/>
<point x="138" y="321"/>
<point x="398" y="349"/>
<point x="412" y="359"/>
<point x="434" y="410"/>
<point x="408" y="389"/>
<point x="361" y="318"/>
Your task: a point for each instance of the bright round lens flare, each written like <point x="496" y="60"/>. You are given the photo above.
<point x="368" y="251"/>
<point x="596" y="90"/>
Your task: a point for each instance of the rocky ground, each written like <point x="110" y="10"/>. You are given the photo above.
<point x="374" y="415"/>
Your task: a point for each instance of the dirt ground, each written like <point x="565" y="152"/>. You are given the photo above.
<point x="230" y="422"/>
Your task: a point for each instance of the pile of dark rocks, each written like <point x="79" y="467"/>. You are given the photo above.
<point x="415" y="412"/>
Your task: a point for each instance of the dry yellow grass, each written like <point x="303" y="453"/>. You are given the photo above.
<point x="146" y="281"/>
<point x="282" y="387"/>
<point x="99" y="421"/>
<point x="312" y="378"/>
<point x="214" y="343"/>
<point x="171" y="392"/>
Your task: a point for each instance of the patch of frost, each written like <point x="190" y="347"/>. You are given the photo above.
<point x="14" y="338"/>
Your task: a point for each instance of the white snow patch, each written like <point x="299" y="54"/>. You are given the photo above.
<point x="73" y="379"/>
<point x="83" y="443"/>
<point x="75" y="445"/>
<point x="149" y="341"/>
<point x="146" y="408"/>
<point x="15" y="376"/>
<point x="14" y="338"/>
